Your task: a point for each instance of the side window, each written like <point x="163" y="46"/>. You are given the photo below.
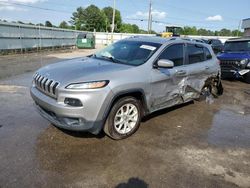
<point x="195" y="54"/>
<point x="174" y="53"/>
<point x="207" y="54"/>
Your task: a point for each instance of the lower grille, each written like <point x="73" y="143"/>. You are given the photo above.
<point x="46" y="85"/>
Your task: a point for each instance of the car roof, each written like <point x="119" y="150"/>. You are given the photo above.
<point x="238" y="39"/>
<point x="152" y="39"/>
<point x="161" y="40"/>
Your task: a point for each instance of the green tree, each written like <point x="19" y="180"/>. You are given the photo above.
<point x="108" y="11"/>
<point x="216" y="33"/>
<point x="64" y="25"/>
<point x="136" y="29"/>
<point x="40" y="24"/>
<point x="129" y="28"/>
<point x="236" y="33"/>
<point x="48" y="24"/>
<point x="225" y="32"/>
<point x="143" y="31"/>
<point x="78" y="18"/>
<point x="89" y="19"/>
<point x="189" y="31"/>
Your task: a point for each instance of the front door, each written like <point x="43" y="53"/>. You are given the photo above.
<point x="167" y="83"/>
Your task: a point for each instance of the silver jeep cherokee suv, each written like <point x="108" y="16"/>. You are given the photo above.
<point x="114" y="88"/>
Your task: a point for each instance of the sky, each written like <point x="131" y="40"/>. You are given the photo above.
<point x="208" y="14"/>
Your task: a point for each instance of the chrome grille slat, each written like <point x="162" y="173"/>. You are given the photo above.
<point x="50" y="82"/>
<point x="40" y="82"/>
<point x="46" y="85"/>
<point x="43" y="82"/>
<point x="37" y="78"/>
<point x="51" y="86"/>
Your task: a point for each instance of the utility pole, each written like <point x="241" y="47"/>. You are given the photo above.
<point x="239" y="28"/>
<point x="150" y="17"/>
<point x="113" y="23"/>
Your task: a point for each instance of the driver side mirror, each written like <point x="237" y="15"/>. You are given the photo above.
<point x="165" y="63"/>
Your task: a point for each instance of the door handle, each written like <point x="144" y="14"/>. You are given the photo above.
<point x="181" y="72"/>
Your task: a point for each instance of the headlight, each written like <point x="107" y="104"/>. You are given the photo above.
<point x="244" y="61"/>
<point x="88" y="85"/>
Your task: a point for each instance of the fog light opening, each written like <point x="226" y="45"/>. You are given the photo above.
<point x="73" y="102"/>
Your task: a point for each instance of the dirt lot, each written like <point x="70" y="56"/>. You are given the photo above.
<point x="193" y="145"/>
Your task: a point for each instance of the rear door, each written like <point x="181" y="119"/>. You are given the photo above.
<point x="199" y="69"/>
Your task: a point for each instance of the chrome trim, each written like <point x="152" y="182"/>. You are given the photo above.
<point x="46" y="85"/>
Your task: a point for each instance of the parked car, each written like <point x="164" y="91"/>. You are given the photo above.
<point x="114" y="88"/>
<point x="195" y="40"/>
<point x="216" y="45"/>
<point x="235" y="60"/>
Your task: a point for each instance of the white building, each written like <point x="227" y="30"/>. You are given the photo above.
<point x="246" y="26"/>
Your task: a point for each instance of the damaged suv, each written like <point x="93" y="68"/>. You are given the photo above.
<point x="113" y="89"/>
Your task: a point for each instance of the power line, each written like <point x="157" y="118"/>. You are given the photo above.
<point x="168" y="23"/>
<point x="35" y="7"/>
<point x="149" y="22"/>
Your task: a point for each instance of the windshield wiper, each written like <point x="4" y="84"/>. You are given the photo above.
<point x="111" y="58"/>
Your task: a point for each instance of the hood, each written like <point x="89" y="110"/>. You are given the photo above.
<point x="234" y="55"/>
<point x="81" y="70"/>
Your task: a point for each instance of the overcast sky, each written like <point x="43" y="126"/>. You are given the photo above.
<point x="209" y="14"/>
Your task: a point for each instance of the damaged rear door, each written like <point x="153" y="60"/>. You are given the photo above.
<point x="167" y="83"/>
<point x="199" y="67"/>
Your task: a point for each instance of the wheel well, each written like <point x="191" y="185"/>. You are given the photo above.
<point x="139" y="95"/>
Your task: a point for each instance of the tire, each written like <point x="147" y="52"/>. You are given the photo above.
<point x="129" y="120"/>
<point x="205" y="92"/>
<point x="217" y="89"/>
<point x="247" y="78"/>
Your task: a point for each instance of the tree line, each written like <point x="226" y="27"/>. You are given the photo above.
<point x="92" y="18"/>
<point x="204" y="32"/>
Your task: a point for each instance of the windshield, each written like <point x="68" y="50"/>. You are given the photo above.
<point x="237" y="46"/>
<point x="128" y="52"/>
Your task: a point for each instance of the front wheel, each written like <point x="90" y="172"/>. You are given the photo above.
<point x="247" y="78"/>
<point x="124" y="118"/>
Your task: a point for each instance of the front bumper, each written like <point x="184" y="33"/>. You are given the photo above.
<point x="90" y="117"/>
<point x="232" y="68"/>
<point x="232" y="73"/>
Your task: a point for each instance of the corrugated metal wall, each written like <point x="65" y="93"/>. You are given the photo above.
<point x="20" y="36"/>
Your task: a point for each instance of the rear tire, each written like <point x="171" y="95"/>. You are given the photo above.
<point x="205" y="92"/>
<point x="124" y="118"/>
<point x="217" y="89"/>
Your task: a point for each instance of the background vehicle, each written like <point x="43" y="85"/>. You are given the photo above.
<point x="235" y="60"/>
<point x="116" y="87"/>
<point x="194" y="39"/>
<point x="216" y="45"/>
<point x="171" y="31"/>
